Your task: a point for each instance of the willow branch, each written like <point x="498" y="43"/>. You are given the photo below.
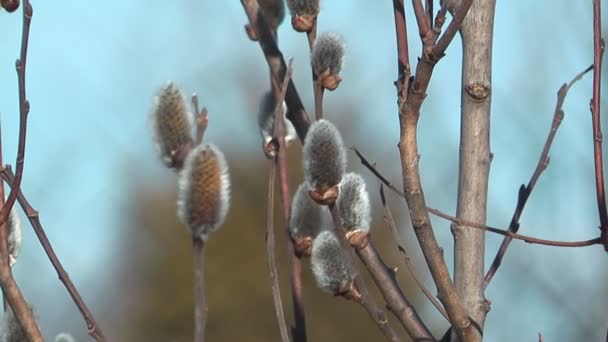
<point x="409" y="114"/>
<point x="92" y="326"/>
<point x="390" y="221"/>
<point x="365" y="299"/>
<point x="296" y="112"/>
<point x="528" y="239"/>
<point x="543" y="162"/>
<point x="598" y="51"/>
<point x="24" y="109"/>
<point x="279" y="137"/>
<point x="403" y="59"/>
<point x="202" y="120"/>
<point x="200" y="301"/>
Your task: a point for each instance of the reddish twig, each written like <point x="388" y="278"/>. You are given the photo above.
<point x="512" y="235"/>
<point x="598" y="51"/>
<point x="424" y="26"/>
<point x="24" y="109"/>
<point x="525" y="191"/>
<point x="202" y="120"/>
<point x="200" y="300"/>
<point x="92" y="326"/>
<point x="279" y="137"/>
<point x="390" y="221"/>
<point x="403" y="59"/>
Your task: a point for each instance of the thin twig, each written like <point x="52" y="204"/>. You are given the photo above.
<point x="202" y="120"/>
<point x="200" y="301"/>
<point x="543" y="162"/>
<point x="373" y="170"/>
<point x="365" y="299"/>
<point x="4" y="241"/>
<point x="598" y="52"/>
<point x="390" y="221"/>
<point x="296" y="112"/>
<point x="279" y="136"/>
<point x="503" y="232"/>
<point x="424" y="26"/>
<point x="24" y="109"/>
<point x="318" y="90"/>
<point x="92" y="326"/>
<point x="528" y="239"/>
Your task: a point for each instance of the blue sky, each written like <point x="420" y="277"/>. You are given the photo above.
<point x="94" y="66"/>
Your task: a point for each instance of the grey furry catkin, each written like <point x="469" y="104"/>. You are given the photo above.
<point x="64" y="337"/>
<point x="204" y="191"/>
<point x="327" y="54"/>
<point x="353" y="203"/>
<point x="324" y="155"/>
<point x="10" y="330"/>
<point x="14" y="236"/>
<point x="266" y="119"/>
<point x="303" y="7"/>
<point x="330" y="266"/>
<point x="171" y="125"/>
<point x="305" y="219"/>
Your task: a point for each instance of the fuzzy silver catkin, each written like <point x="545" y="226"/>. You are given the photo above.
<point x="10" y="330"/>
<point x="327" y="54"/>
<point x="64" y="337"/>
<point x="324" y="155"/>
<point x="266" y="119"/>
<point x="330" y="265"/>
<point x="353" y="203"/>
<point x="14" y="237"/>
<point x="306" y="215"/>
<point x="274" y="12"/>
<point x="171" y="123"/>
<point x="204" y="191"/>
<point x="303" y="7"/>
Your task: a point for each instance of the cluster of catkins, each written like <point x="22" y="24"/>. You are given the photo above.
<point x="204" y="183"/>
<point x="327" y="183"/>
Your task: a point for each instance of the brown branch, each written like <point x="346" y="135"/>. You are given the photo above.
<point x="528" y="239"/>
<point x="409" y="113"/>
<point x="393" y="296"/>
<point x="24" y="109"/>
<point x="372" y="168"/>
<point x="403" y="59"/>
<point x="543" y="162"/>
<point x="390" y="221"/>
<point x="200" y="301"/>
<point x="296" y="112"/>
<point x="365" y="298"/>
<point x="202" y="120"/>
<point x="598" y="52"/>
<point x="424" y="26"/>
<point x="92" y="326"/>
<point x="279" y="137"/>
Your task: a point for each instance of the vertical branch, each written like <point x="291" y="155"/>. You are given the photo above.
<point x="475" y="158"/>
<point x="403" y="60"/>
<point x="200" y="301"/>
<point x="598" y="50"/>
<point x="409" y="114"/>
<point x="24" y="109"/>
<point x="279" y="136"/>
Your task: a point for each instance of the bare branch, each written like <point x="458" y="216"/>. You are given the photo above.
<point x="202" y="120"/>
<point x="92" y="326"/>
<point x="200" y="301"/>
<point x="528" y="239"/>
<point x="526" y="191"/>
<point x="598" y="52"/>
<point x="390" y="221"/>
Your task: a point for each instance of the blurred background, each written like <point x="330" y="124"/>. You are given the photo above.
<point x="108" y="204"/>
